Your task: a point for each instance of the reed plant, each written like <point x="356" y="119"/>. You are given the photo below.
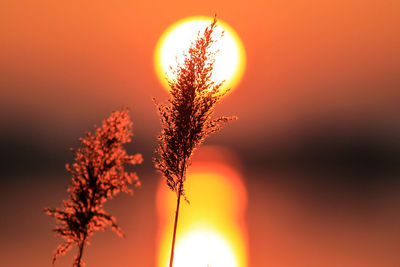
<point x="98" y="174"/>
<point x="186" y="118"/>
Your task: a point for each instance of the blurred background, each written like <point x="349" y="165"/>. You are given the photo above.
<point x="317" y="140"/>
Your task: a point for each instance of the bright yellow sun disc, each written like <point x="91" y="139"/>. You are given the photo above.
<point x="176" y="40"/>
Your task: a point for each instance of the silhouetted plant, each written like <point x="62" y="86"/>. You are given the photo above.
<point x="98" y="175"/>
<point x="186" y="118"/>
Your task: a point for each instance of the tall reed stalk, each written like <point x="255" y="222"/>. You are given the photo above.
<point x="186" y="117"/>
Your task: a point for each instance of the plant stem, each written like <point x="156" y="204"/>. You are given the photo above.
<point x="171" y="259"/>
<point x="78" y="261"/>
<point x="79" y="258"/>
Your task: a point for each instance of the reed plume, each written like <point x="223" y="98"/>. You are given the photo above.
<point x="186" y="117"/>
<point x="98" y="174"/>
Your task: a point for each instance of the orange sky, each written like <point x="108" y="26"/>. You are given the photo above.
<point x="303" y="57"/>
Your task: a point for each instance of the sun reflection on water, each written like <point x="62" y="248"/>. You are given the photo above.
<point x="211" y="229"/>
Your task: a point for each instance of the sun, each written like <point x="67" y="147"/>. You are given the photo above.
<point x="229" y="60"/>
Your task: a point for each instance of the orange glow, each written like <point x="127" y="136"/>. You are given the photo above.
<point x="229" y="60"/>
<point x="211" y="229"/>
<point x="200" y="248"/>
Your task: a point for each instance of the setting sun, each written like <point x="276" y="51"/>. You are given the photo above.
<point x="229" y="60"/>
